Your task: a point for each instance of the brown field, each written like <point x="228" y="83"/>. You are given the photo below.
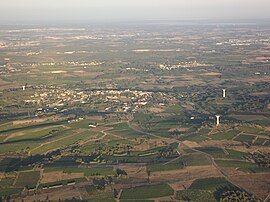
<point x="188" y="173"/>
<point x="156" y="109"/>
<point x="58" y="175"/>
<point x="179" y="129"/>
<point x="176" y="186"/>
<point x="101" y="128"/>
<point x="233" y="171"/>
<point x="257" y="79"/>
<point x="258" y="184"/>
<point x="219" y="143"/>
<point x="86" y="74"/>
<point x="99" y="118"/>
<point x="191" y="144"/>
<point x="212" y="74"/>
<point x="135" y="171"/>
<point x="31" y="121"/>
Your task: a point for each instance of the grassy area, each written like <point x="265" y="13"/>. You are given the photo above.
<point x="195" y="159"/>
<point x="28" y="179"/>
<point x="36" y="126"/>
<point x="146" y="192"/>
<point x="17" y="147"/>
<point x="209" y="183"/>
<point x="165" y="167"/>
<point x="224" y="136"/>
<point x="123" y="129"/>
<point x="196" y="137"/>
<point x="94" y="171"/>
<point x="34" y="134"/>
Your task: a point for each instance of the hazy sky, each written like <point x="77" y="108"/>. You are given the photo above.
<point x="124" y="10"/>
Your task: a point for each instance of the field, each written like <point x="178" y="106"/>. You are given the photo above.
<point x="28" y="179"/>
<point x="211" y="184"/>
<point x="147" y="192"/>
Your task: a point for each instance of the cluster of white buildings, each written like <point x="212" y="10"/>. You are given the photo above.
<point x="183" y="65"/>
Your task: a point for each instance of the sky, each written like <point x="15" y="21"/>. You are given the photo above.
<point x="131" y="10"/>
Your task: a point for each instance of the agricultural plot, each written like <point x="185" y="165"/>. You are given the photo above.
<point x="61" y="183"/>
<point x="245" y="138"/>
<point x="195" y="195"/>
<point x="68" y="138"/>
<point x="28" y="179"/>
<point x="225" y="135"/>
<point x="6" y="182"/>
<point x="193" y="159"/>
<point x="195" y="137"/>
<point x="261" y="141"/>
<point x="147" y="192"/>
<point x="233" y="154"/>
<point x="210" y="184"/>
<point x="32" y="127"/>
<point x="123" y="130"/>
<point x="241" y="165"/>
<point x="99" y="196"/>
<point x="93" y="171"/>
<point x="165" y="167"/>
<point x="17" y="147"/>
<point x="215" y="152"/>
<point x="9" y="191"/>
<point x="33" y="135"/>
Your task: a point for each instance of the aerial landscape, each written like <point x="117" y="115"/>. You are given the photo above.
<point x="147" y="111"/>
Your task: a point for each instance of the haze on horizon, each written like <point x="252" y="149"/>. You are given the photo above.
<point x="125" y="10"/>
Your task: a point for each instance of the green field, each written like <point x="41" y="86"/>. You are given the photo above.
<point x="242" y="165"/>
<point x="224" y="136"/>
<point x="215" y="152"/>
<point x="210" y="184"/>
<point x="94" y="171"/>
<point x="147" y="192"/>
<point x="245" y="138"/>
<point x="35" y="134"/>
<point x="165" y="167"/>
<point x="193" y="159"/>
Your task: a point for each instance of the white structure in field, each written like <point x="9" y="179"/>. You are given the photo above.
<point x="224" y="93"/>
<point x="23" y="87"/>
<point x="218" y="120"/>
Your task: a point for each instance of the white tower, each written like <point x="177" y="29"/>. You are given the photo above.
<point x="218" y="120"/>
<point x="23" y="88"/>
<point x="224" y="93"/>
